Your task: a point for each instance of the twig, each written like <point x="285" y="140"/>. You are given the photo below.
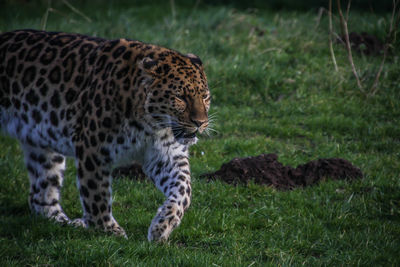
<point x="345" y="32"/>
<point x="50" y="9"/>
<point x="46" y="16"/>
<point x="348" y="10"/>
<point x="44" y="20"/>
<point x="339" y="39"/>
<point x="330" y="36"/>
<point x="76" y="10"/>
<point x="173" y="11"/>
<point x="374" y="87"/>
<point x="319" y="16"/>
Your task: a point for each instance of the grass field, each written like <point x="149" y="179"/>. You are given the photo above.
<point x="274" y="90"/>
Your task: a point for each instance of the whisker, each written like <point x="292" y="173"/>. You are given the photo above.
<point x="213" y="115"/>
<point x="212" y="130"/>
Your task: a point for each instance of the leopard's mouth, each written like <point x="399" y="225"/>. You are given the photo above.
<point x="189" y="135"/>
<point x="179" y="134"/>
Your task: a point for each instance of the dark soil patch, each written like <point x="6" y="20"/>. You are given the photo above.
<point x="265" y="169"/>
<point x="365" y="43"/>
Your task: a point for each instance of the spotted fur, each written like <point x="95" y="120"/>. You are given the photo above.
<point x="105" y="103"/>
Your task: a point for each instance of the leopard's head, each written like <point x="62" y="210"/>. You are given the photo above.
<point x="177" y="95"/>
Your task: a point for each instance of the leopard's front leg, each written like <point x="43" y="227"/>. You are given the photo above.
<point x="169" y="170"/>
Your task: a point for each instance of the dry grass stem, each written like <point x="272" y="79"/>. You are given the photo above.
<point x="50" y="9"/>
<point x="319" y="16"/>
<point x="76" y="11"/>
<point x="388" y="42"/>
<point x="330" y="36"/>
<point x="345" y="32"/>
<point x="173" y="10"/>
<point x="348" y="10"/>
<point x="46" y="16"/>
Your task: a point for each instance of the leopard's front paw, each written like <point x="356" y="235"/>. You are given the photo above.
<point x="111" y="227"/>
<point x="167" y="218"/>
<point x="79" y="222"/>
<point x="115" y="229"/>
<point x="59" y="217"/>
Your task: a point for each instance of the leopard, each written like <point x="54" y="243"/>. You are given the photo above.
<point x="104" y="103"/>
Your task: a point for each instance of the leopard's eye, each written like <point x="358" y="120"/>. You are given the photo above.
<point x="206" y="96"/>
<point x="180" y="98"/>
<point x="180" y="103"/>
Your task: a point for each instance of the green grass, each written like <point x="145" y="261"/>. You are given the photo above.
<point x="274" y="91"/>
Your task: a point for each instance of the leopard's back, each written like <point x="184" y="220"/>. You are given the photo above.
<point x="41" y="77"/>
<point x="29" y="58"/>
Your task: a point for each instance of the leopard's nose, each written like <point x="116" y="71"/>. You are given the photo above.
<point x="201" y="124"/>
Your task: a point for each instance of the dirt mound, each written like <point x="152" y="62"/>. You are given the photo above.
<point x="267" y="170"/>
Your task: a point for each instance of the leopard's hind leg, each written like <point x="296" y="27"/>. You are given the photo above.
<point x="46" y="173"/>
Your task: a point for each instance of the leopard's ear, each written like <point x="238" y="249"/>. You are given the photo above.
<point x="150" y="66"/>
<point x="195" y="59"/>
